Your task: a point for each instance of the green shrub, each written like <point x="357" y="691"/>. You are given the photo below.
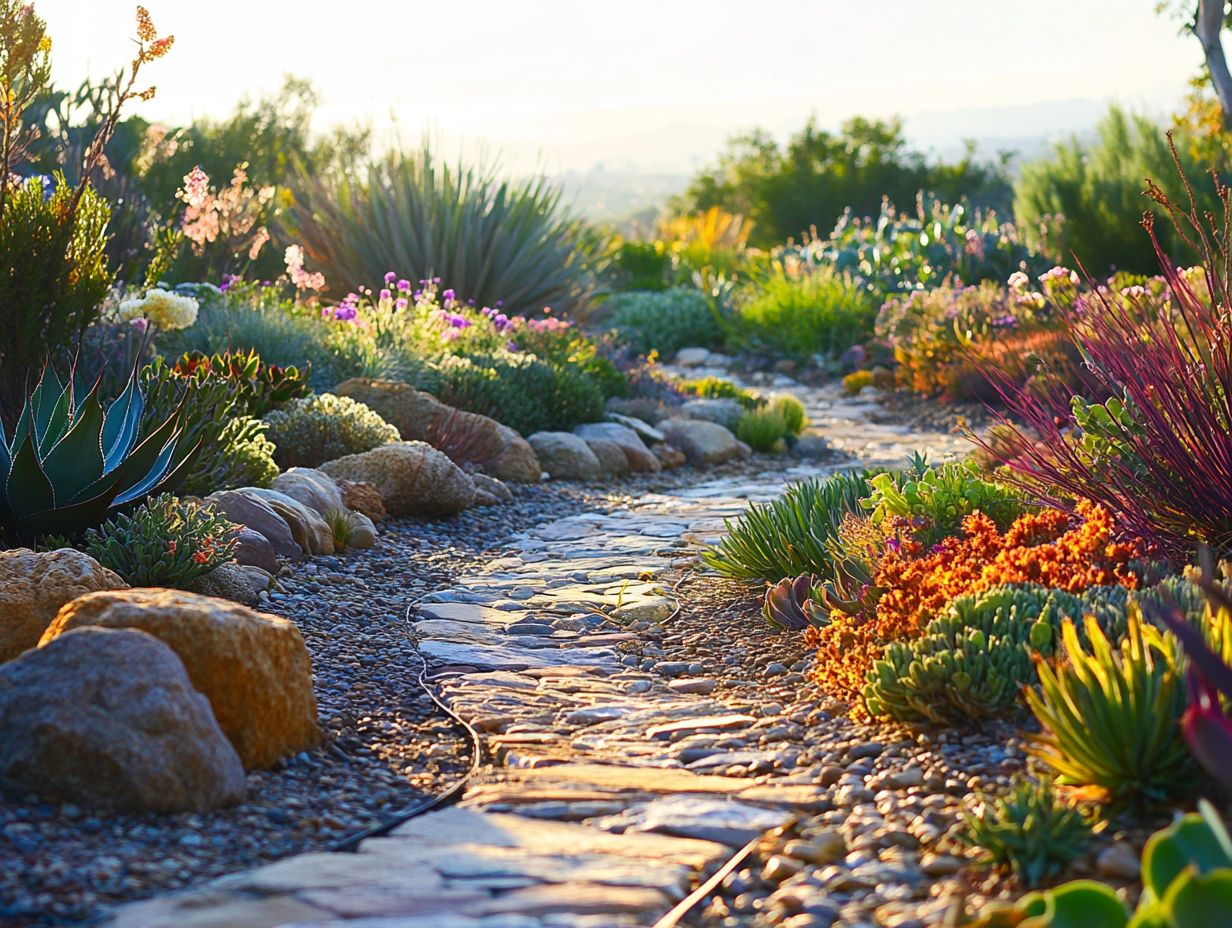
<point x="164" y="542"/>
<point x="761" y="429"/>
<point x="1098" y="188"/>
<point x="1029" y="832"/>
<point x="788" y="536"/>
<point x="645" y="321"/>
<point x="792" y="411"/>
<point x="525" y="393"/>
<point x="857" y="381"/>
<point x="491" y="239"/>
<point x="315" y="429"/>
<point x="716" y="388"/>
<point x="1111" y="717"/>
<point x="797" y="317"/>
<point x="974" y="659"/>
<point x="245" y="459"/>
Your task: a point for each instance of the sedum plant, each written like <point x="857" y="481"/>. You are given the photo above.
<point x="1186" y="883"/>
<point x="165" y="542"/>
<point x="1030" y="831"/>
<point x="973" y="660"/>
<point x="323" y="427"/>
<point x="69" y="462"/>
<point x="1111" y="716"/>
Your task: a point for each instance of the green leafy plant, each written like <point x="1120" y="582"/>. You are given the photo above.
<point x="797" y="317"/>
<point x="164" y="542"/>
<point x="788" y="536"/>
<point x="69" y="462"/>
<point x="490" y="238"/>
<point x="340" y="527"/>
<point x="646" y="321"/>
<point x="1111" y="717"/>
<point x="762" y="429"/>
<point x="974" y="660"/>
<point x="1186" y="882"/>
<point x="323" y="427"/>
<point x="1030" y="831"/>
<point x="938" y="499"/>
<point x="260" y="387"/>
<point x="716" y="388"/>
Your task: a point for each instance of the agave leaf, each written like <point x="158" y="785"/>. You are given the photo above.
<point x="70" y="518"/>
<point x="61" y="418"/>
<point x="121" y="425"/>
<point x="28" y="490"/>
<point x="77" y="459"/>
<point x="42" y="403"/>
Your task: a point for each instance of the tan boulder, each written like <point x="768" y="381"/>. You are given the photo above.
<point x="33" y="587"/>
<point x="314" y="489"/>
<point x="467" y="437"/>
<point x="253" y="667"/>
<point x="108" y="719"/>
<point x="308" y="527"/>
<point x="414" y="478"/>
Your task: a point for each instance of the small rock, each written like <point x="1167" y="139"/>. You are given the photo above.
<point x="1118" y="861"/>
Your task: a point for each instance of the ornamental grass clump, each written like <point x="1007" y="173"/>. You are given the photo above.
<point x="165" y="542"/>
<point x="1029" y="831"/>
<point x="910" y="583"/>
<point x="1161" y="461"/>
<point x="762" y="429"/>
<point x="1111" y="715"/>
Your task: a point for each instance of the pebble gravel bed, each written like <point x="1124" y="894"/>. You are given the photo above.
<point x="885" y="852"/>
<point x="387" y="745"/>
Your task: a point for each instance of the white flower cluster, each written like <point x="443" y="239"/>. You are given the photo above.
<point x="164" y="310"/>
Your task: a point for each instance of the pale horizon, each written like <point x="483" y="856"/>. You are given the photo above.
<point x="564" y="85"/>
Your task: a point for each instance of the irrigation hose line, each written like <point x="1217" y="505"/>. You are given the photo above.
<point x="351" y="843"/>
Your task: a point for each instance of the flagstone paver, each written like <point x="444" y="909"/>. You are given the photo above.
<point x="600" y="805"/>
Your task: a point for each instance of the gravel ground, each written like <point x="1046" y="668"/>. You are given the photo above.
<point x="884" y="852"/>
<point x="387" y="744"/>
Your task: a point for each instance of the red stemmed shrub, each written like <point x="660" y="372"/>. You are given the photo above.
<point x="1158" y="455"/>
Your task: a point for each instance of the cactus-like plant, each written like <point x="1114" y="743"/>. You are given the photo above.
<point x="1111" y="717"/>
<point x="974" y="659"/>
<point x="69" y="462"/>
<point x="789" y="604"/>
<point x="1029" y="831"/>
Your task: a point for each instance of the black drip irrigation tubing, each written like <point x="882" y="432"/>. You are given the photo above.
<point x="351" y="843"/>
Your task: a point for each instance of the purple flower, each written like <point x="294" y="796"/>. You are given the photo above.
<point x="511" y="345"/>
<point x="459" y="322"/>
<point x="448" y="295"/>
<point x="138" y="324"/>
<point x="895" y="545"/>
<point x="404" y="285"/>
<point x="400" y="303"/>
<point x="346" y="313"/>
<point x="228" y="280"/>
<point x="389" y="277"/>
<point x="386" y="295"/>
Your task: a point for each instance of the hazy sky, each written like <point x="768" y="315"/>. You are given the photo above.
<point x="648" y="80"/>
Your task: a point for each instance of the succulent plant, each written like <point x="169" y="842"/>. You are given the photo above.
<point x="1111" y="716"/>
<point x="1029" y="831"/>
<point x="1186" y="883"/>
<point x="974" y="659"/>
<point x="69" y="462"/>
<point x="789" y="604"/>
<point x="164" y="542"/>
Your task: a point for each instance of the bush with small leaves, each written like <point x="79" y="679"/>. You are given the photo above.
<point x="165" y="542"/>
<point x="315" y="429"/>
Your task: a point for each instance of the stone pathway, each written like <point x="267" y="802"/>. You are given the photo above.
<point x="598" y="806"/>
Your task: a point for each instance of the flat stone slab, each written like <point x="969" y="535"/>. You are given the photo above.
<point x="725" y="821"/>
<point x="443" y="653"/>
<point x="629" y="779"/>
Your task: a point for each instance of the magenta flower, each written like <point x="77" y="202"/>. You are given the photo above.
<point x="389" y="277"/>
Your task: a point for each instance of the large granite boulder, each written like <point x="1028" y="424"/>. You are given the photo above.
<point x="253" y="667"/>
<point x="704" y="442"/>
<point x="565" y="456"/>
<point x="611" y="458"/>
<point x="467" y="437"/>
<point x="725" y="412"/>
<point x="308" y="527"/>
<point x="259" y="516"/>
<point x="33" y="587"/>
<point x="108" y="720"/>
<point x="252" y="549"/>
<point x="638" y="456"/>
<point x="229" y="581"/>
<point x="414" y="478"/>
<point x="311" y="487"/>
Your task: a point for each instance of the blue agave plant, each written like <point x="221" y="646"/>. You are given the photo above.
<point x="69" y="462"/>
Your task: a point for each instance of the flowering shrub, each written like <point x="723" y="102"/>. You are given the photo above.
<point x="159" y="308"/>
<point x="910" y="583"/>
<point x="164" y="542"/>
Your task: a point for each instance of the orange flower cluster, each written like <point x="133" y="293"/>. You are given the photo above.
<point x="1041" y="547"/>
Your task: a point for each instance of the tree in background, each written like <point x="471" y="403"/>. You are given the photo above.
<point x="788" y="190"/>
